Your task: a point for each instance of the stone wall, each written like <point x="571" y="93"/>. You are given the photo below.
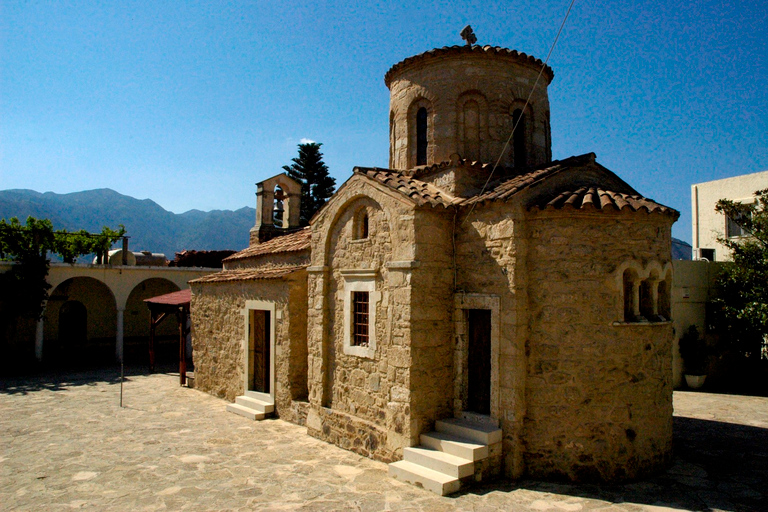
<point x="598" y="391"/>
<point x="490" y="251"/>
<point x="219" y="332"/>
<point x="361" y="402"/>
<point x="431" y="310"/>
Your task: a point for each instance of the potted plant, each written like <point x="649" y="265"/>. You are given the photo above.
<point x="693" y="349"/>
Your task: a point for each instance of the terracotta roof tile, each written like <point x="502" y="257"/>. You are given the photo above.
<point x="418" y="191"/>
<point x="474" y="49"/>
<point x="505" y="187"/>
<point x="594" y="198"/>
<point x="248" y="274"/>
<point x="293" y="242"/>
<point x="173" y="299"/>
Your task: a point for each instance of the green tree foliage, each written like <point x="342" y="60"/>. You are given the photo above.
<point x="317" y="185"/>
<point x="741" y="309"/>
<point x="24" y="286"/>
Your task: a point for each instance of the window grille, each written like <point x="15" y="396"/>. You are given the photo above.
<point x="360" y="319"/>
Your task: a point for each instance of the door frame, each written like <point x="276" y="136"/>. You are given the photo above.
<point x="463" y="302"/>
<point x="269" y="307"/>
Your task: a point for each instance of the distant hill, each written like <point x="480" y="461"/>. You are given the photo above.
<point x="681" y="250"/>
<point x="149" y="226"/>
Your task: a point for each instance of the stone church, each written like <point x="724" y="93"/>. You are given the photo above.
<point x="460" y="315"/>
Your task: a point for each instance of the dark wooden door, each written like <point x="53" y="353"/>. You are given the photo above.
<point x="259" y="327"/>
<point x="479" y="363"/>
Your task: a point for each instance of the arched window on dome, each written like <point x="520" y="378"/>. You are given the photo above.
<point x="471" y="130"/>
<point x="421" y="136"/>
<point x="519" y="146"/>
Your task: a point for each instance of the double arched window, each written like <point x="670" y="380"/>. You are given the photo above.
<point x="646" y="292"/>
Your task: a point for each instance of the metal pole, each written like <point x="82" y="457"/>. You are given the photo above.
<point x="122" y="378"/>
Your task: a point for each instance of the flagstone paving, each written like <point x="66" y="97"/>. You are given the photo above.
<point x="65" y="443"/>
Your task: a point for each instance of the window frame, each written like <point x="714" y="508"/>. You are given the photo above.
<point x="359" y="280"/>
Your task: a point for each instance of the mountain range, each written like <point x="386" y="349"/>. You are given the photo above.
<point x="149" y="226"/>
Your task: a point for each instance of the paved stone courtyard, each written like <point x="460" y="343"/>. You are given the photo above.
<point x="66" y="444"/>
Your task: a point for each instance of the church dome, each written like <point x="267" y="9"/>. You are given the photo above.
<point x="465" y="100"/>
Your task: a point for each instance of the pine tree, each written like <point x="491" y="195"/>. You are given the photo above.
<point x="317" y="186"/>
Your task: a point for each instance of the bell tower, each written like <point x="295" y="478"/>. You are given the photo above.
<point x="278" y="208"/>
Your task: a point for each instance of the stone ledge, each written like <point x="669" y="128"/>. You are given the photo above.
<point x="625" y="324"/>
<point x="402" y="264"/>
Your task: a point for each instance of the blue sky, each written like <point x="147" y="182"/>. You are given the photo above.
<point x="190" y="104"/>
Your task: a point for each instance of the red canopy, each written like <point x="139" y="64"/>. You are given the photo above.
<point x="180" y="298"/>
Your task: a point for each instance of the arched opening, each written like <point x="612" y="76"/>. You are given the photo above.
<point x="646" y="300"/>
<point x="665" y="308"/>
<point x="360" y="225"/>
<point x="136" y="325"/>
<point x="471" y="130"/>
<point x="631" y="298"/>
<point x="421" y="136"/>
<point x="73" y="329"/>
<point x="80" y="324"/>
<point x="278" y="210"/>
<point x="519" y="146"/>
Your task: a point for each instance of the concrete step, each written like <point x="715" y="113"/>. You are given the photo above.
<point x="246" y="412"/>
<point x="455" y="445"/>
<point x="255" y="404"/>
<point x="438" y="483"/>
<point x="446" y="463"/>
<point x="482" y="433"/>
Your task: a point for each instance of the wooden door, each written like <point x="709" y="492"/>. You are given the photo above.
<point x="260" y="353"/>
<point x="479" y="361"/>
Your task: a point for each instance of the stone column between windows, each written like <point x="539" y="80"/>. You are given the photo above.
<point x="655" y="298"/>
<point x="636" y="298"/>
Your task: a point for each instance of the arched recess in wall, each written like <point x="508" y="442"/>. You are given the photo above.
<point x="136" y="323"/>
<point x="472" y="126"/>
<point x="87" y="302"/>
<point x="356" y="279"/>
<point x="421" y="133"/>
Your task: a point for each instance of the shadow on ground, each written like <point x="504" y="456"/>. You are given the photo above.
<point x="61" y="380"/>
<point x="716" y="465"/>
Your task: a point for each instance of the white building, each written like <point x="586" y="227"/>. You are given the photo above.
<point x="708" y="225"/>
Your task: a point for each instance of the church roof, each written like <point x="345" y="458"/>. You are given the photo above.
<point x="594" y="198"/>
<point x="474" y="49"/>
<point x="249" y="274"/>
<point x="292" y="242"/>
<point x="420" y="192"/>
<point x="605" y="192"/>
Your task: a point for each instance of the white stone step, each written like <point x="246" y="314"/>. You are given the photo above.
<point x="255" y="404"/>
<point x="481" y="433"/>
<point x="247" y="412"/>
<point x="455" y="445"/>
<point x="420" y="476"/>
<point x="446" y="463"/>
